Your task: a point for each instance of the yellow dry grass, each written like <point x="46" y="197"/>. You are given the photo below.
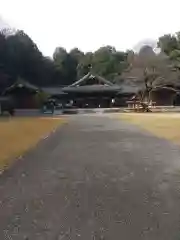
<point x="17" y="135"/>
<point x="166" y="125"/>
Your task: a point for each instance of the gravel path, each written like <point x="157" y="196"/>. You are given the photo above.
<point x="96" y="178"/>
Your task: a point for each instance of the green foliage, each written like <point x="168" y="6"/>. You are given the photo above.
<point x="175" y="54"/>
<point x="67" y="63"/>
<point x="168" y="43"/>
<point x="20" y="57"/>
<point x="106" y="62"/>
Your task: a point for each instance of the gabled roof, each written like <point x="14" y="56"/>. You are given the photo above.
<point x="162" y="88"/>
<point x="129" y="89"/>
<point x="89" y="76"/>
<point x="92" y="88"/>
<point x="19" y="84"/>
<point x="91" y="83"/>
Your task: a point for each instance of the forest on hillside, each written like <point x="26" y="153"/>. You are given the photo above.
<point x="21" y="58"/>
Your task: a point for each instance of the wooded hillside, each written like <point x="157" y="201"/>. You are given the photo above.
<point x="21" y="58"/>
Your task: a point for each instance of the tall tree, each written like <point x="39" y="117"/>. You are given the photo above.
<point x="20" y="57"/>
<point x="67" y="63"/>
<point x="85" y="64"/>
<point x="168" y="43"/>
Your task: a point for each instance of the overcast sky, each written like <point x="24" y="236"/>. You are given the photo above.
<point x="91" y="24"/>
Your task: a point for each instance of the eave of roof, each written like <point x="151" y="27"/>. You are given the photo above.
<point x="91" y="89"/>
<point x="164" y="88"/>
<point x="20" y="85"/>
<point x="53" y="90"/>
<point x="91" y="76"/>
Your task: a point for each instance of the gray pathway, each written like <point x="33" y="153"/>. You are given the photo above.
<point x="95" y="178"/>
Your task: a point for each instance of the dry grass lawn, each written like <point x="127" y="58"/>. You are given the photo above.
<point x="166" y="125"/>
<point x="17" y="135"/>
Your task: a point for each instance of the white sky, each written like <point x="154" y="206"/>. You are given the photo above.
<point x="89" y="24"/>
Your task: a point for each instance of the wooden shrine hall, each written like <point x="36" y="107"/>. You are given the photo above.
<point x="92" y="91"/>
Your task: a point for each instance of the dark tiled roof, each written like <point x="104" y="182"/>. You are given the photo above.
<point x="99" y="84"/>
<point x="91" y="76"/>
<point x="161" y="88"/>
<point x="130" y="89"/>
<point x="92" y="88"/>
<point x="53" y="90"/>
<point x="21" y="84"/>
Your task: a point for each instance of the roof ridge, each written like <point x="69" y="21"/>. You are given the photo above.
<point x="91" y="75"/>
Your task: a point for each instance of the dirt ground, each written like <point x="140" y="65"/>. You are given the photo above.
<point x="17" y="135"/>
<point x="94" y="178"/>
<point x="166" y="125"/>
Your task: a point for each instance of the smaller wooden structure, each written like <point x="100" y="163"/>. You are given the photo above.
<point x="158" y="96"/>
<point x="133" y="104"/>
<point x="137" y="104"/>
<point x="163" y="95"/>
<point x="23" y="94"/>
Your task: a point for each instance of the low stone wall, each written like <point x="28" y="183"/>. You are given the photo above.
<point x="38" y="112"/>
<point x="158" y="109"/>
<point x="95" y="110"/>
<point x="166" y="109"/>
